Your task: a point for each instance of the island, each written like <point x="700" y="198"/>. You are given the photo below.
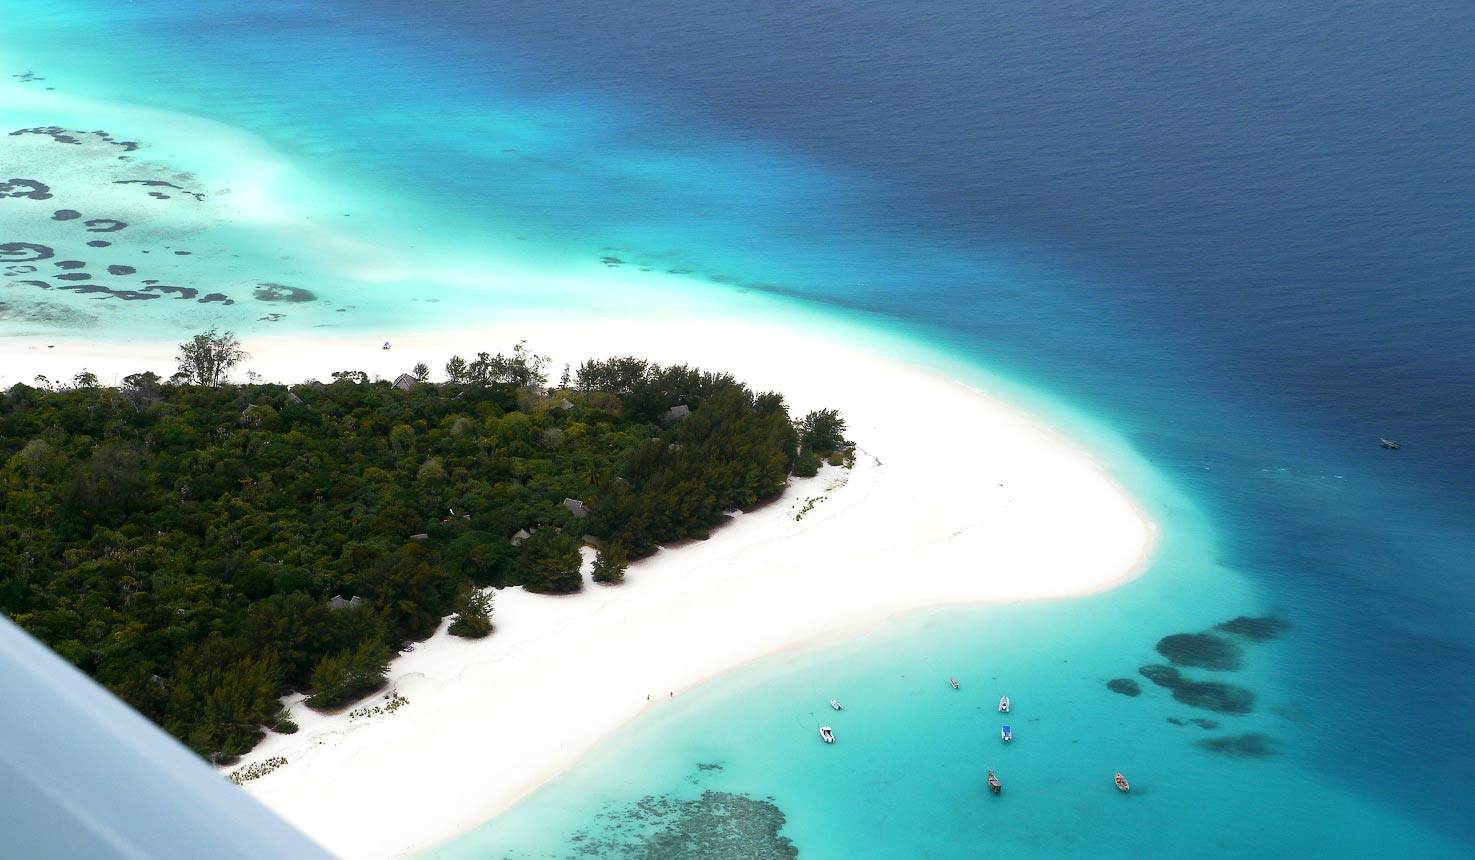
<point x="205" y="549"/>
<point x="953" y="497"/>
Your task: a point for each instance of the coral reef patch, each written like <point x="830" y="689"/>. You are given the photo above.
<point x="1201" y="650"/>
<point x="268" y="292"/>
<point x="24" y="252"/>
<point x="62" y="135"/>
<point x="714" y="826"/>
<point x="1266" y="629"/>
<point x="1208" y="695"/>
<point x="1206" y="725"/>
<point x="1249" y="745"/>
<point x="30" y="189"/>
<point x="105" y="225"/>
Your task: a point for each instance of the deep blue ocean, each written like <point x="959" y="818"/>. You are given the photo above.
<point x="1241" y="236"/>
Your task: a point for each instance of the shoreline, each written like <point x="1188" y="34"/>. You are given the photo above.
<point x="957" y="498"/>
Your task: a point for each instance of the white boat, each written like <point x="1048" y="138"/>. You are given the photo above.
<point x="835" y="703"/>
<point x="954" y="682"/>
<point x="827" y="734"/>
<point x="1004" y="705"/>
<point x="1007" y="734"/>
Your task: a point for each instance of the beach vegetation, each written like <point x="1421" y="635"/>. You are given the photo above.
<point x="473" y="618"/>
<point x="610" y="563"/>
<point x="456" y="372"/>
<point x="204" y="549"/>
<point x="522" y="369"/>
<point x="550" y="563"/>
<point x="257" y="770"/>
<point x="807" y="465"/>
<point x="349" y="675"/>
<point x="206" y="358"/>
<point x="393" y="701"/>
<point x="822" y="432"/>
<point x="808" y="506"/>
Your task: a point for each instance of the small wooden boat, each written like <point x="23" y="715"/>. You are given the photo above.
<point x="1121" y="783"/>
<point x="827" y="734"/>
<point x="835" y="703"/>
<point x="954" y="682"/>
<point x="1007" y="734"/>
<point x="993" y="783"/>
<point x="1004" y="705"/>
<point x="1390" y="444"/>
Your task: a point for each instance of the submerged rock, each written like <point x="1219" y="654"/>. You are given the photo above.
<point x="1254" y="629"/>
<point x="1203" y="650"/>
<point x="1250" y="745"/>
<point x="1125" y="686"/>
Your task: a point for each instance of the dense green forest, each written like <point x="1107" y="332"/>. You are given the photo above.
<point x="203" y="549"/>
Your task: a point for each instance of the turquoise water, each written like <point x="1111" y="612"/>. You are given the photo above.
<point x="1223" y="246"/>
<point x="738" y="757"/>
<point x="905" y="777"/>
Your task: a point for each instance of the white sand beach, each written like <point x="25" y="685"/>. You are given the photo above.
<point x="956" y="498"/>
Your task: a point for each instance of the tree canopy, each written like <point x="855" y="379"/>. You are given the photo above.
<point x="206" y="358"/>
<point x="204" y="548"/>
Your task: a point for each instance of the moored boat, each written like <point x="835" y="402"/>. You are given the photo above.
<point x="835" y="703"/>
<point x="993" y="783"/>
<point x="1004" y="705"/>
<point x="827" y="734"/>
<point x="954" y="682"/>
<point x="1007" y="734"/>
<point x="1121" y="783"/>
